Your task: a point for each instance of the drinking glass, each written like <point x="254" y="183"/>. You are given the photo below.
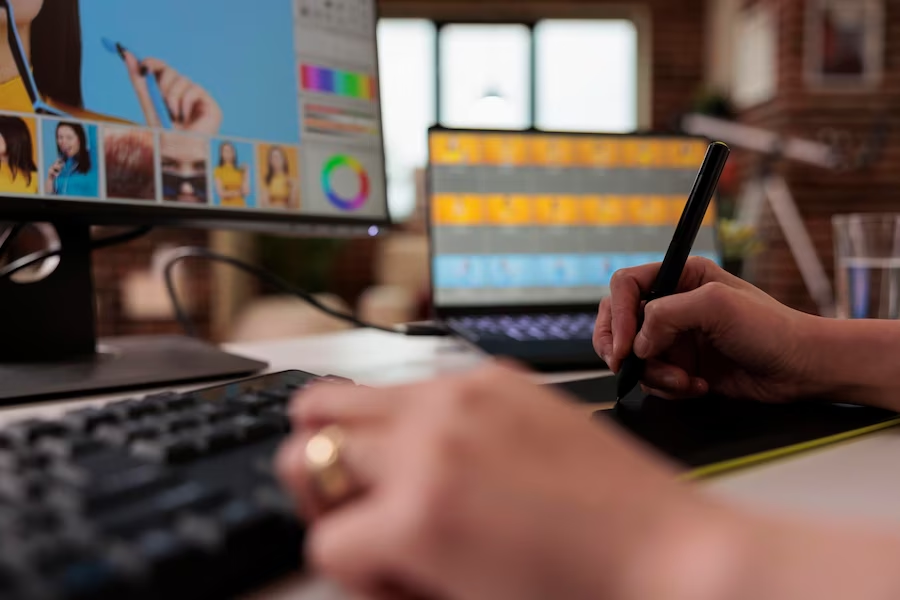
<point x="867" y="266"/>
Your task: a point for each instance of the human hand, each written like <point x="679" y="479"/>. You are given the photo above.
<point x="191" y="106"/>
<point x="485" y="486"/>
<point x="718" y="333"/>
<point x="56" y="168"/>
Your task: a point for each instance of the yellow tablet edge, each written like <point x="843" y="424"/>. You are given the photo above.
<point x="761" y="457"/>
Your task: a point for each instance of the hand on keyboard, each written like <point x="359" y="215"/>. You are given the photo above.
<point x="480" y="486"/>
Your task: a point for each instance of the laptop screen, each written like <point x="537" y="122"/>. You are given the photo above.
<point x="522" y="219"/>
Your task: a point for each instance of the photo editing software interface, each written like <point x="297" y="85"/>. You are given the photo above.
<point x="535" y="218"/>
<point x="226" y="104"/>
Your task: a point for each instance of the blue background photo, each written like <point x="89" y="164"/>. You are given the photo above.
<point x="246" y="154"/>
<point x="241" y="52"/>
<point x="50" y="154"/>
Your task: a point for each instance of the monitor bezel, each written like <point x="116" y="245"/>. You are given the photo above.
<point x="21" y="208"/>
<point x="448" y="311"/>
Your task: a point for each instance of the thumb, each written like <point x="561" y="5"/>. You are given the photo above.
<point x="136" y="72"/>
<point x="705" y="309"/>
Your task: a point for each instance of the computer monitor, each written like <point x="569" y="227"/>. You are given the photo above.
<point x="262" y="116"/>
<point x="541" y="220"/>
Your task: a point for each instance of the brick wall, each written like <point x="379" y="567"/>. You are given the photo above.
<point x="112" y="266"/>
<point x="797" y="110"/>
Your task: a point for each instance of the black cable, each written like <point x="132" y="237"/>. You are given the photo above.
<point x="105" y="242"/>
<point x="9" y="236"/>
<point x="273" y="280"/>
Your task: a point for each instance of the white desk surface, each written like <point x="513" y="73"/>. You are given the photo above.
<point x="856" y="479"/>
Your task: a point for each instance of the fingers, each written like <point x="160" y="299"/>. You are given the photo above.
<point x="603" y="337"/>
<point x="669" y="381"/>
<point x="344" y="404"/>
<point x="188" y="103"/>
<point x="626" y="288"/>
<point x="174" y="97"/>
<point x="349" y="545"/>
<point x="139" y="82"/>
<point x="629" y="286"/>
<point x="707" y="308"/>
<point x="362" y="456"/>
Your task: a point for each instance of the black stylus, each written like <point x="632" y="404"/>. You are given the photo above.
<point x="679" y="249"/>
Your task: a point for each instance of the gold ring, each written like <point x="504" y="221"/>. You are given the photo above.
<point x="323" y="461"/>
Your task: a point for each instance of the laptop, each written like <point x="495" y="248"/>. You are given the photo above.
<point x="527" y="228"/>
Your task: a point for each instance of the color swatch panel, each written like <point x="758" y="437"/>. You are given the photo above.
<point x="336" y="82"/>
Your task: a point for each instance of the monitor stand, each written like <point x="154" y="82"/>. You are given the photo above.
<point x="49" y="348"/>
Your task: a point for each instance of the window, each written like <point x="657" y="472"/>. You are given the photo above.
<point x="555" y="74"/>
<point x="485" y="76"/>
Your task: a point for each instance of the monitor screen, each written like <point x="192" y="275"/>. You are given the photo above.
<point x="233" y="107"/>
<point x="546" y="219"/>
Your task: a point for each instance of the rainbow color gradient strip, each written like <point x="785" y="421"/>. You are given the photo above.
<point x="347" y="84"/>
<point x="343" y="161"/>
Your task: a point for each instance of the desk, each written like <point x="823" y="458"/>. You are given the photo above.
<point x="860" y="477"/>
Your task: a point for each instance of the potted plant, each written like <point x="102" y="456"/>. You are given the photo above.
<point x="738" y="242"/>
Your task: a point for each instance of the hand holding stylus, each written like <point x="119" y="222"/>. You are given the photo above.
<point x="718" y="334"/>
<point x="669" y="274"/>
<point x="189" y="106"/>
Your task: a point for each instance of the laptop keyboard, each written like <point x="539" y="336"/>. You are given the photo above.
<point x="525" y="328"/>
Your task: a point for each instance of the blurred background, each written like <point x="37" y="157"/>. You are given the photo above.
<point x="823" y="70"/>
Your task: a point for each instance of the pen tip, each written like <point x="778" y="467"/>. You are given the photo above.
<point x="617" y="398"/>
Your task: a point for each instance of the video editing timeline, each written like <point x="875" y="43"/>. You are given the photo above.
<point x="542" y="218"/>
<point x="236" y="137"/>
<point x="339" y="102"/>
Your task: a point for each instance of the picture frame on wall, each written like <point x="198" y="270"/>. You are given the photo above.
<point x="755" y="57"/>
<point x="844" y="44"/>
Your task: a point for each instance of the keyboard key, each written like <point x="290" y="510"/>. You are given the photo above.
<point x="278" y="418"/>
<point x="221" y="436"/>
<point x="252" y="428"/>
<point x="85" y="471"/>
<point x="281" y="396"/>
<point x="126" y="433"/>
<point x="134" y="409"/>
<point x="72" y="447"/>
<point x="24" y="460"/>
<point x="159" y="510"/>
<point x="168" y="449"/>
<point x="111" y="491"/>
<point x="215" y="412"/>
<point x="176" y="422"/>
<point x="30" y="431"/>
<point x="87" y="420"/>
<point x="22" y="488"/>
<point x="171" y="401"/>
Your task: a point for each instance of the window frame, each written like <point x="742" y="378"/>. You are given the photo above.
<point x="528" y="14"/>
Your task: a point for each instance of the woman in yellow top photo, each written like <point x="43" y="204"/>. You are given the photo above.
<point x="279" y="190"/>
<point x="18" y="171"/>
<point x="232" y="178"/>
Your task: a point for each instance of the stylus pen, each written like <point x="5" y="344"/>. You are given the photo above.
<point x="679" y="249"/>
<point x="156" y="97"/>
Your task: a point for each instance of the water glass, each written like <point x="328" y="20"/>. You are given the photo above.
<point x="867" y="266"/>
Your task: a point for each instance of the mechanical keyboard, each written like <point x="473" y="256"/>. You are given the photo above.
<point x="522" y="328"/>
<point x="167" y="496"/>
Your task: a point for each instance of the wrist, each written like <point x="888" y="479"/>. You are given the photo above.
<point x="701" y="551"/>
<point x="855" y="361"/>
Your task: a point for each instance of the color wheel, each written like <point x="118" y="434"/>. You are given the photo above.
<point x="342" y="161"/>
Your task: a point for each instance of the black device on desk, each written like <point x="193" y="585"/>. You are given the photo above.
<point x="278" y="134"/>
<point x="528" y="227"/>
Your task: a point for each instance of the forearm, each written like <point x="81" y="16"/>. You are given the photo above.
<point x="726" y="554"/>
<point x="789" y="559"/>
<point x="858" y="361"/>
